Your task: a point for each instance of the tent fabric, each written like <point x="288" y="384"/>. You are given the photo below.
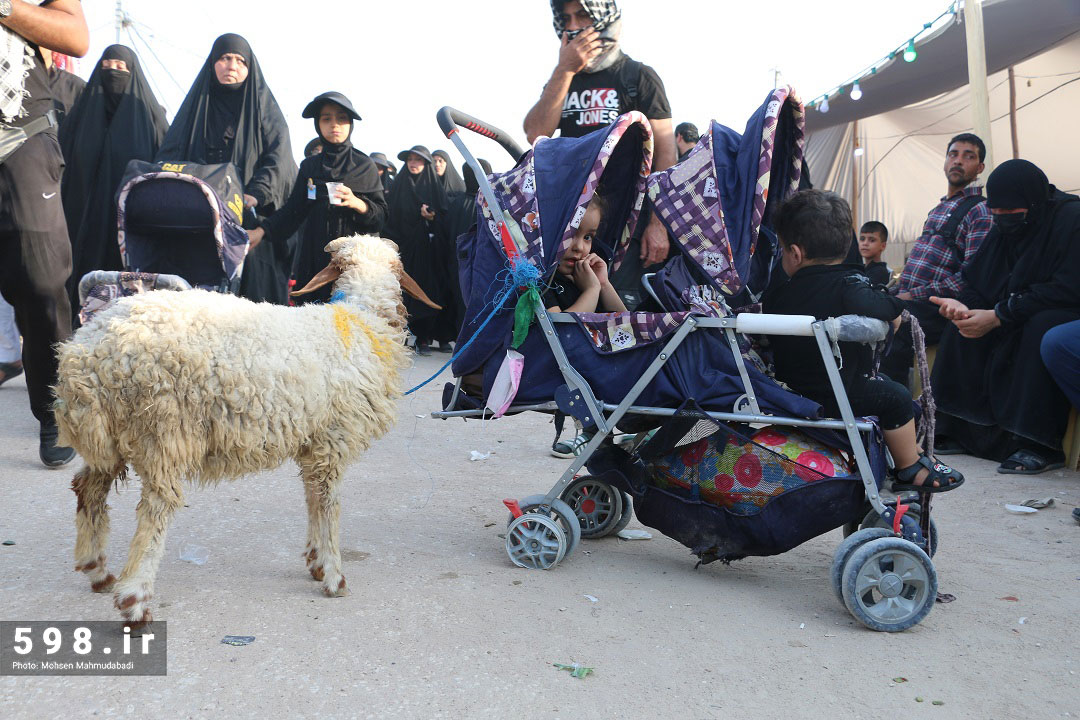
<point x="900" y="175"/>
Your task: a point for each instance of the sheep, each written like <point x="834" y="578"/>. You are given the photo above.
<point x="202" y="387"/>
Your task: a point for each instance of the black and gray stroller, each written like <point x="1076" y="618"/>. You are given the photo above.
<point x="726" y="460"/>
<point x="178" y="227"/>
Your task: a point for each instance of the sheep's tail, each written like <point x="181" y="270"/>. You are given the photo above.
<point x="81" y="418"/>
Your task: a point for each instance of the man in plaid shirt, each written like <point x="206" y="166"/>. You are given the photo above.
<point x="940" y="254"/>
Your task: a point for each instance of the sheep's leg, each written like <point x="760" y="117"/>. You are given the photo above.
<point x="135" y="587"/>
<point x="91" y="487"/>
<point x="311" y="551"/>
<point x="322" y="480"/>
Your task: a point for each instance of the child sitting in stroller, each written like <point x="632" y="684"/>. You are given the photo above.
<point x="814" y="228"/>
<point x="581" y="284"/>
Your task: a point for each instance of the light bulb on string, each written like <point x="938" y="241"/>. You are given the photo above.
<point x="856" y="91"/>
<point x="824" y="106"/>
<point x="909" y="53"/>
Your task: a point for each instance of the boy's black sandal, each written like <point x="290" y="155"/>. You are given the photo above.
<point x="945" y="477"/>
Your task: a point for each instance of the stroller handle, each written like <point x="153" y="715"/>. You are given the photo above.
<point x="450" y="119"/>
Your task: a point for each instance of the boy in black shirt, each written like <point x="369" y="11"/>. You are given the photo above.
<point x="814" y="228"/>
<point x="873" y="236"/>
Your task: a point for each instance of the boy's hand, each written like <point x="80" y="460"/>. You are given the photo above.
<point x="950" y="308"/>
<point x="598" y="266"/>
<point x="584" y="276"/>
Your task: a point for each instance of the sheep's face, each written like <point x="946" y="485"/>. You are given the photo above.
<point x="369" y="269"/>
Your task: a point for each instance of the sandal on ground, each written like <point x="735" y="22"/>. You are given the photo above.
<point x="567" y="449"/>
<point x="9" y="370"/>
<point x="941" y="478"/>
<point x="1026" y="462"/>
<point x="945" y="446"/>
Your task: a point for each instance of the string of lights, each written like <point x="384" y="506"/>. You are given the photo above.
<point x="906" y="50"/>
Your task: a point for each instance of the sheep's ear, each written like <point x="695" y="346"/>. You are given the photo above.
<point x="409" y="285"/>
<point x="327" y="275"/>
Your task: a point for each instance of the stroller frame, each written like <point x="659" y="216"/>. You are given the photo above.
<point x="550" y="514"/>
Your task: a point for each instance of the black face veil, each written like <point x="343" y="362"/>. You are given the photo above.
<point x="116" y="119"/>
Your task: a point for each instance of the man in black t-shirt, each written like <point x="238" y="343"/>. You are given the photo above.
<point x="35" y="254"/>
<point x="64" y="85"/>
<point x="592" y="84"/>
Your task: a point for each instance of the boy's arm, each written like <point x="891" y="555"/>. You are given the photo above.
<point x="862" y="298"/>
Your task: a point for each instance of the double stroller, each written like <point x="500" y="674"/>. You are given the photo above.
<point x="179" y="227"/>
<point x="724" y="459"/>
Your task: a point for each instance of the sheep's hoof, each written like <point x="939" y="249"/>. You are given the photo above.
<point x="141" y="623"/>
<point x="134" y="607"/>
<point x="317" y="573"/>
<point x="104" y="585"/>
<point x="341" y="589"/>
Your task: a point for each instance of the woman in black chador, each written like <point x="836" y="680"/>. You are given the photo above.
<point x="116" y="119"/>
<point x="418" y="224"/>
<point x="356" y="206"/>
<point x="995" y="397"/>
<point x="230" y="115"/>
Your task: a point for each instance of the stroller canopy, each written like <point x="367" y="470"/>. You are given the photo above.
<point x="546" y="194"/>
<point x="182" y="219"/>
<point x="717" y="203"/>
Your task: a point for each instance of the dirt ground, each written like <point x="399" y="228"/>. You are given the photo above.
<point x="440" y="624"/>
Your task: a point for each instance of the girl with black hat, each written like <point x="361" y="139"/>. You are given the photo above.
<point x="337" y="191"/>
<point x="230" y="115"/>
<point x="418" y="224"/>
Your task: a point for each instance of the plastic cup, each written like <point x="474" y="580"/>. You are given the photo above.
<point x="331" y="191"/>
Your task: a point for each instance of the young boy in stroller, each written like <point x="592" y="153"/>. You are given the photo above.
<point x="814" y="228"/>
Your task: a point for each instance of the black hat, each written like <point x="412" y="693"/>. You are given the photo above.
<point x="419" y="150"/>
<point x="315" y="105"/>
<point x="381" y="160"/>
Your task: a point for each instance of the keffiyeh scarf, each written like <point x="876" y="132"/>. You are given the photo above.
<point x="602" y="12"/>
<point x="16" y="61"/>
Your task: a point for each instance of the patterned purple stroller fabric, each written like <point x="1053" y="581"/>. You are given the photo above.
<point x="687" y="196"/>
<point x="102" y="295"/>
<point x="517" y="194"/>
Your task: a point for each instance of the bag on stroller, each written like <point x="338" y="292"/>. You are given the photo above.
<point x="178" y="226"/>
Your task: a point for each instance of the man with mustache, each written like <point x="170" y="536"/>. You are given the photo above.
<point x="951" y="236"/>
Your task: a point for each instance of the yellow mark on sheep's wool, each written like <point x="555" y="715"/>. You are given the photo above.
<point x="345" y="321"/>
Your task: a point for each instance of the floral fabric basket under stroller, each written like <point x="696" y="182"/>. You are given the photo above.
<point x="178" y="226"/>
<point x="727" y="461"/>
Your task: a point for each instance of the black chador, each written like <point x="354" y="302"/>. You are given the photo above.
<point x="241" y="124"/>
<point x="115" y="119"/>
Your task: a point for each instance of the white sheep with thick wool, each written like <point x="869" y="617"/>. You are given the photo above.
<point x="198" y="386"/>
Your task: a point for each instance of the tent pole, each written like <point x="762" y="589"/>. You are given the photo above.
<point x="854" y="176"/>
<point x="1012" y="113"/>
<point x="976" y="60"/>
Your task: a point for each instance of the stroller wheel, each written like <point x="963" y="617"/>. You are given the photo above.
<point x="844" y="552"/>
<point x="535" y="541"/>
<point x="598" y="506"/>
<point x="627" y="513"/>
<point x="889" y="584"/>
<point x="873" y="520"/>
<point x="559" y="510"/>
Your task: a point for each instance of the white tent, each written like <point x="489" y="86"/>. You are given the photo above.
<point x="909" y="111"/>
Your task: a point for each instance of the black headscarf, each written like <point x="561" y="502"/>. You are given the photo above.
<point x="421" y="242"/>
<point x="451" y="181"/>
<point x="1025" y="270"/>
<point x="239" y="123"/>
<point x="472" y="186"/>
<point x="342" y="163"/>
<point x="116" y="119"/>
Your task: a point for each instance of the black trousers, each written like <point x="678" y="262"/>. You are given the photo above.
<point x="897" y="363"/>
<point x="35" y="261"/>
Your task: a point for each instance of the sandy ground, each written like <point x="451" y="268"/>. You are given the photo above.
<point x="440" y="624"/>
